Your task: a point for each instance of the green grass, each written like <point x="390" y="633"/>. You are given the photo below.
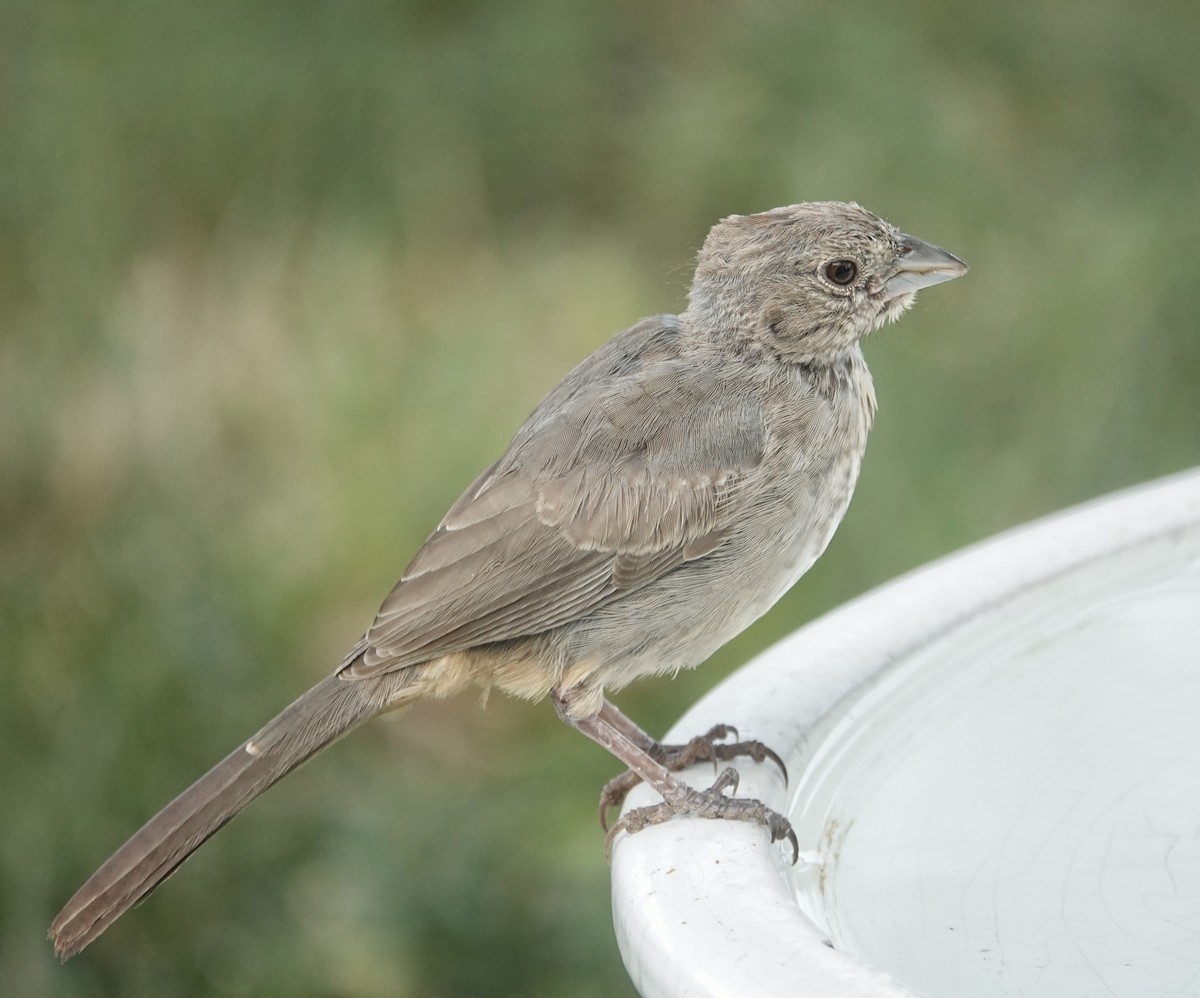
<point x="278" y="279"/>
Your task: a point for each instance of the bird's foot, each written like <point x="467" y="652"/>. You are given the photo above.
<point x="710" y="803"/>
<point x="707" y="747"/>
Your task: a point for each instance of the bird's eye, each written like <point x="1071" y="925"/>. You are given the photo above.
<point x="841" y="272"/>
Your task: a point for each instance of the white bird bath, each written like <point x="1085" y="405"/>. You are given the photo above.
<point x="995" y="781"/>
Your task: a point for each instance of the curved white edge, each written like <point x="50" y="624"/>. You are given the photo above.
<point x="701" y="907"/>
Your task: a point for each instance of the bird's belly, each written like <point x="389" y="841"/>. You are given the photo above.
<point x="680" y="620"/>
<point x="795" y="543"/>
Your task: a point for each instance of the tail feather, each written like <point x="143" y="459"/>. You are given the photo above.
<point x="319" y="717"/>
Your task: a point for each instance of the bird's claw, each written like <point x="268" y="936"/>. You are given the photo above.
<point x="715" y="802"/>
<point x="708" y="747"/>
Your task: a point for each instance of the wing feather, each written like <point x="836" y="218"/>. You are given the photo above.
<point x="626" y="470"/>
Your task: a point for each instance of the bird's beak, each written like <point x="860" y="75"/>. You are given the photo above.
<point x="922" y="265"/>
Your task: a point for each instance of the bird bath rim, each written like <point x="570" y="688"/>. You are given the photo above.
<point x="706" y="907"/>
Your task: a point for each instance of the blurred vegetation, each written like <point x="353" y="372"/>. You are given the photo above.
<point x="278" y="278"/>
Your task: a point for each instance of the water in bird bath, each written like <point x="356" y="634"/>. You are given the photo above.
<point x="1015" y="809"/>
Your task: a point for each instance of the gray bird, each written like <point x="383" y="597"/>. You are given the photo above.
<point x="670" y="489"/>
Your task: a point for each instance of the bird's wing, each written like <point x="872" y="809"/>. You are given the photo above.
<point x="627" y="469"/>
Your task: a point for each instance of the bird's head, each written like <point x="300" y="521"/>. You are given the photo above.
<point x="811" y="280"/>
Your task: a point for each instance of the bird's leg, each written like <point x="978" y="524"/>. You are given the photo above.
<point x="622" y="738"/>
<point x="707" y="747"/>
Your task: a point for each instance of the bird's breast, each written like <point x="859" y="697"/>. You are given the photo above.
<point x="818" y="439"/>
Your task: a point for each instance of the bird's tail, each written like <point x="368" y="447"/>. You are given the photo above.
<point x="323" y="714"/>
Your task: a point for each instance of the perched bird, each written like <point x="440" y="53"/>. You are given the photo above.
<point x="662" y="497"/>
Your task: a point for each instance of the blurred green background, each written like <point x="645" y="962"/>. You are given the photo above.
<point x="278" y="278"/>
